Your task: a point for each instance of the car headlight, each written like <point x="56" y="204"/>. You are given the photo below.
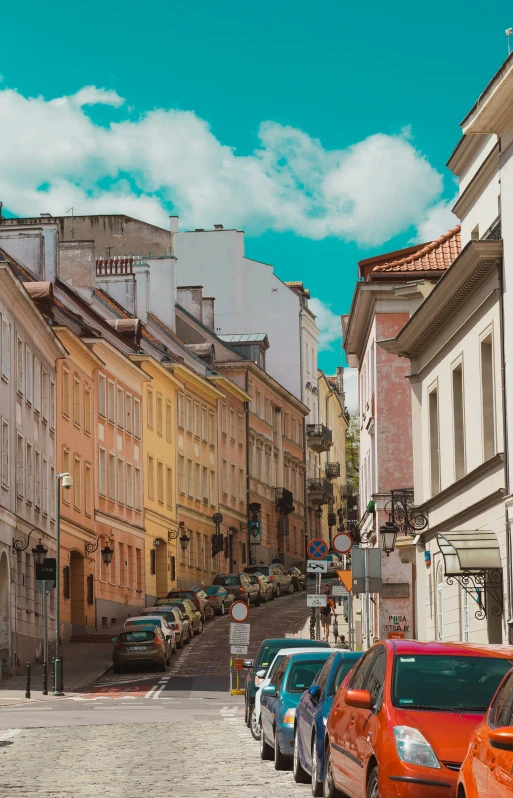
<point x="413" y="748"/>
<point x="289" y="716"/>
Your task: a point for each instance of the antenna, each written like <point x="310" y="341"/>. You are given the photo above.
<point x="509" y="32"/>
<point x="72" y="219"/>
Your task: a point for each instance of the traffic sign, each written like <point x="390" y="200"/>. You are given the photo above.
<point x="44" y="585"/>
<point x="316" y="567"/>
<point x="47" y="571"/>
<point x="238" y="664"/>
<point x="239" y="634"/>
<point x="239" y="611"/>
<point x="343" y="543"/>
<point x="317" y="549"/>
<point x="239" y="650"/>
<point x="338" y="590"/>
<point x="316" y="600"/>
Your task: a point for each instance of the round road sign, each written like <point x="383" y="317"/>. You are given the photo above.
<point x="239" y="611"/>
<point x="342" y="543"/>
<point x="317" y="549"/>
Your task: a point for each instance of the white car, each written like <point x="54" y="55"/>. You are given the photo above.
<point x="169" y="634"/>
<point x="265" y="679"/>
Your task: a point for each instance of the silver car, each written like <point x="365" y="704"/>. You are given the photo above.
<point x="178" y="622"/>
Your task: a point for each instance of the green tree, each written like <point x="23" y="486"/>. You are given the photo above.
<point x="353" y="455"/>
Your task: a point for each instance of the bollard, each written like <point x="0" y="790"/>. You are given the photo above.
<point x="27" y="682"/>
<point x="45" y="678"/>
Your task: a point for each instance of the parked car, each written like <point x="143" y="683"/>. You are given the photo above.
<point x="178" y="622"/>
<point x="311" y="717"/>
<point x="187" y="608"/>
<point x="256" y="726"/>
<point x="298" y="578"/>
<point x="487" y="768"/>
<point x="208" y="610"/>
<point x="277" y="575"/>
<point x="265" y="587"/>
<point x="279" y="701"/>
<point x="193" y="596"/>
<point x="405" y="715"/>
<point x="139" y="645"/>
<point x="266" y="653"/>
<point x="220" y="599"/>
<point x="168" y="633"/>
<point x="241" y="586"/>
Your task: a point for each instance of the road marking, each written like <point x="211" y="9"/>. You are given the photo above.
<point x="157" y="693"/>
<point x="149" y="694"/>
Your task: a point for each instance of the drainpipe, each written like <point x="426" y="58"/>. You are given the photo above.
<point x="509" y="552"/>
<point x="246" y="411"/>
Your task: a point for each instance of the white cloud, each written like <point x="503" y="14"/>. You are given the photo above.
<point x="436" y="220"/>
<point x="351" y="389"/>
<point x="329" y="325"/>
<point x="53" y="156"/>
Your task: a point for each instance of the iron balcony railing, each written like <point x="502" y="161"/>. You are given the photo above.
<point x="332" y="470"/>
<point x="284" y="500"/>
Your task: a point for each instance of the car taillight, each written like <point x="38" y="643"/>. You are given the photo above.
<point x="158" y="641"/>
<point x="242" y="589"/>
<point x="271" y="579"/>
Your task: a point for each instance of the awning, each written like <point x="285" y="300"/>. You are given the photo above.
<point x="469" y="550"/>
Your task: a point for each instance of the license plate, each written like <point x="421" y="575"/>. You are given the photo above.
<point x="137" y="648"/>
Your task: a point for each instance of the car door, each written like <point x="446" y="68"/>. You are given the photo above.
<point x="312" y="707"/>
<point x="268" y="702"/>
<point x="366" y="721"/>
<point x="497" y="763"/>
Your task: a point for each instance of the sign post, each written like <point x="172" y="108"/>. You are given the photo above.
<point x="317" y="549"/>
<point x="239" y="640"/>
<point x="45" y="581"/>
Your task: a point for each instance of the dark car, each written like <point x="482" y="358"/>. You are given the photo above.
<point x="277" y="575"/>
<point x="241" y="586"/>
<point x="187" y="608"/>
<point x="220" y="598"/>
<point x="208" y="610"/>
<point x="193" y="596"/>
<point x="265" y="656"/>
<point x="139" y="645"/>
<point x="298" y="578"/>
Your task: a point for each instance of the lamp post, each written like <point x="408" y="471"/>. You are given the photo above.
<point x="388" y="534"/>
<point x="67" y="483"/>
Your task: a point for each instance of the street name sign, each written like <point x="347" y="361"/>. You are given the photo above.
<point x="317" y="549"/>
<point x="239" y="634"/>
<point x="239" y="650"/>
<point x="316" y="600"/>
<point x="316" y="567"/>
<point x="47" y="571"/>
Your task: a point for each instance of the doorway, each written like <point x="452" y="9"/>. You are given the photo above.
<point x="4" y="616"/>
<point x="77" y="592"/>
<point x="161" y="569"/>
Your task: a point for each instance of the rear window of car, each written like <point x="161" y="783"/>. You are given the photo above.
<point x="227" y="580"/>
<point x="180" y="604"/>
<point x="302" y="675"/>
<point x="167" y="615"/>
<point x="253" y="569"/>
<point x="137" y="637"/>
<point x="447" y="683"/>
<point x="182" y="594"/>
<point x="143" y="621"/>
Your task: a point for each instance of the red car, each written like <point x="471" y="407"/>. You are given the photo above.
<point x="196" y="598"/>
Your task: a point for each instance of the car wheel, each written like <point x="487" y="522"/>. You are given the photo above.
<point x="247" y="719"/>
<point x="291" y="588"/>
<point x="280" y="762"/>
<point x="180" y="641"/>
<point x="299" y="773"/>
<point x="246" y="713"/>
<point x="162" y="666"/>
<point x="200" y="628"/>
<point x="372" y="784"/>
<point x="278" y="591"/>
<point x="116" y="669"/>
<point x="255" y="726"/>
<point x="317" y="786"/>
<point x="330" y="791"/>
<point x="258" y="601"/>
<point x="266" y="752"/>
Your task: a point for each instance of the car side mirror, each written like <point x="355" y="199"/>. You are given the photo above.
<point x="247" y="664"/>
<point x="314" y="692"/>
<point x="502" y="738"/>
<point x="269" y="690"/>
<point x="361" y="699"/>
<point x="261" y="674"/>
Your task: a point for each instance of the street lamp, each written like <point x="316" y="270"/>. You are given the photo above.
<point x="388" y="534"/>
<point x="66" y="481"/>
<point x="107" y="553"/>
<point x="39" y="553"/>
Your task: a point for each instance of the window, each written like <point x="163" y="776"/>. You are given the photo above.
<point x="111" y="402"/>
<point x="233" y="474"/>
<point x="375" y="680"/>
<point x="29" y="474"/>
<point x="121" y="481"/>
<point x="128" y="413"/>
<point x="223" y="418"/>
<point x="160" y="482"/>
<point x="198" y="549"/>
<point x="232" y="424"/>
<point x="29" y="375"/>
<point x="213" y="488"/>
<point x="112" y="477"/>
<point x="102" y="396"/>
<point x="45" y="397"/>
<point x="439" y="602"/>
<point x="129" y="485"/>
<point x="6" y="349"/>
<point x="20" y="365"/>
<point x="434" y="442"/>
<point x="65" y="393"/>
<point x="45" y="486"/>
<point x="66" y="469"/>
<point x="130" y="562"/>
<point x="88" y="487"/>
<point x="225" y="477"/>
<point x="37" y="498"/>
<point x="149" y="409"/>
<point x="151" y="477"/>
<point x="102" y="478"/>
<point x="137" y="419"/>
<point x="37" y="385"/>
<point x="160" y="415"/>
<point x="241" y="485"/>
<point x="5" y="453"/>
<point x="77" y="483"/>
<point x="169" y="487"/>
<point x="121" y="564"/>
<point x="241" y="429"/>
<point x="190" y="478"/>
<point x="169" y="421"/>
<point x="198" y="482"/>
<point x="181" y="410"/>
<point x="258" y="404"/>
<point x="196" y="420"/>
<point x="212" y="429"/>
<point x="204" y="424"/>
<point x="87" y="410"/>
<point x="181" y="474"/>
<point x="76" y="401"/>
<point x="487" y="397"/>
<point x="188" y="414"/>
<point x="138" y="569"/>
<point x="120" y="407"/>
<point x="268" y="411"/>
<point x="286" y="425"/>
<point x="205" y="485"/>
<point x="458" y="418"/>
<point x="138" y="488"/>
<point x="294" y="429"/>
<point x="52" y="404"/>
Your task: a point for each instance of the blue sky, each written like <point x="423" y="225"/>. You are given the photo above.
<point x="321" y="129"/>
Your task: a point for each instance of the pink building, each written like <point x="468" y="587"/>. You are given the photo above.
<point x="392" y="287"/>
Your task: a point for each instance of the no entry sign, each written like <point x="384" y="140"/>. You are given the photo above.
<point x="317" y="549"/>
<point x="239" y="611"/>
<point x="342" y="543"/>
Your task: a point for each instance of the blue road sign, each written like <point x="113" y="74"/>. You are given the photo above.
<point x="317" y="549"/>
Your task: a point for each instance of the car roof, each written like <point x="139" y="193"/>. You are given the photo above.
<point x="157" y="609"/>
<point x="144" y="618"/>
<point x="454" y="649"/>
<point x="310" y="655"/>
<point x="139" y="626"/>
<point x="289" y="651"/>
<point x="292" y="642"/>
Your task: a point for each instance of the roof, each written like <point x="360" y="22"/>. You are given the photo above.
<point x="436" y="256"/>
<point x="243" y="337"/>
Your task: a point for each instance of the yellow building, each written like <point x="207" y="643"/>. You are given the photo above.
<point x="160" y="494"/>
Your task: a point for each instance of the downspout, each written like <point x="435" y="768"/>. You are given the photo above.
<point x="305" y="494"/>
<point x="509" y="551"/>
<point x="246" y="411"/>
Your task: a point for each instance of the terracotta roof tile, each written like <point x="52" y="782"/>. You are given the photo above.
<point x="436" y="256"/>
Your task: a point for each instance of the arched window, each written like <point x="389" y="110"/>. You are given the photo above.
<point x="439" y="602"/>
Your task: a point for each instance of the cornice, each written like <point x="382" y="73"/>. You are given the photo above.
<point x="488" y="169"/>
<point x="73" y="342"/>
<point x="231" y="387"/>
<point x="494" y="108"/>
<point x="117" y="362"/>
<point x="483" y="470"/>
<point x="358" y="323"/>
<point x="497" y="497"/>
<point x="155" y="366"/>
<point x="465" y="153"/>
<point x="118" y="523"/>
<point x="188" y="375"/>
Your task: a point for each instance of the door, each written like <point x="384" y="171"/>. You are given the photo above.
<point x="498" y="763"/>
<point x="367" y="723"/>
<point x="77" y="592"/>
<point x="5" y="658"/>
<point x="311" y="708"/>
<point x="268" y="702"/>
<point x="161" y="567"/>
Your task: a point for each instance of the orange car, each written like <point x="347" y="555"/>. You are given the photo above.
<point x="401" y="722"/>
<point x="487" y="769"/>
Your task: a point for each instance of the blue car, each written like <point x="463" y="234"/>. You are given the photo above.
<point x="279" y="701"/>
<point x="311" y="716"/>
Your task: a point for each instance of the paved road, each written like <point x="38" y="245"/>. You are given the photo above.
<point x="124" y="737"/>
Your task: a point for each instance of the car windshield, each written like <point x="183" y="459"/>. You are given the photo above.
<point x="137" y="637"/>
<point x="446" y="683"/>
<point x="228" y="580"/>
<point x="269" y="651"/>
<point x="179" y="604"/>
<point x="302" y="675"/>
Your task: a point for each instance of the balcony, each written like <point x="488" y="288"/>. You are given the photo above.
<point x="320" y="438"/>
<point x="284" y="500"/>
<point x="320" y="491"/>
<point x="332" y="470"/>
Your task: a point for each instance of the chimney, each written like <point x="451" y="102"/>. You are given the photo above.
<point x="173" y="224"/>
<point x="207" y="311"/>
<point x="163" y="290"/>
<point x="190" y="299"/>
